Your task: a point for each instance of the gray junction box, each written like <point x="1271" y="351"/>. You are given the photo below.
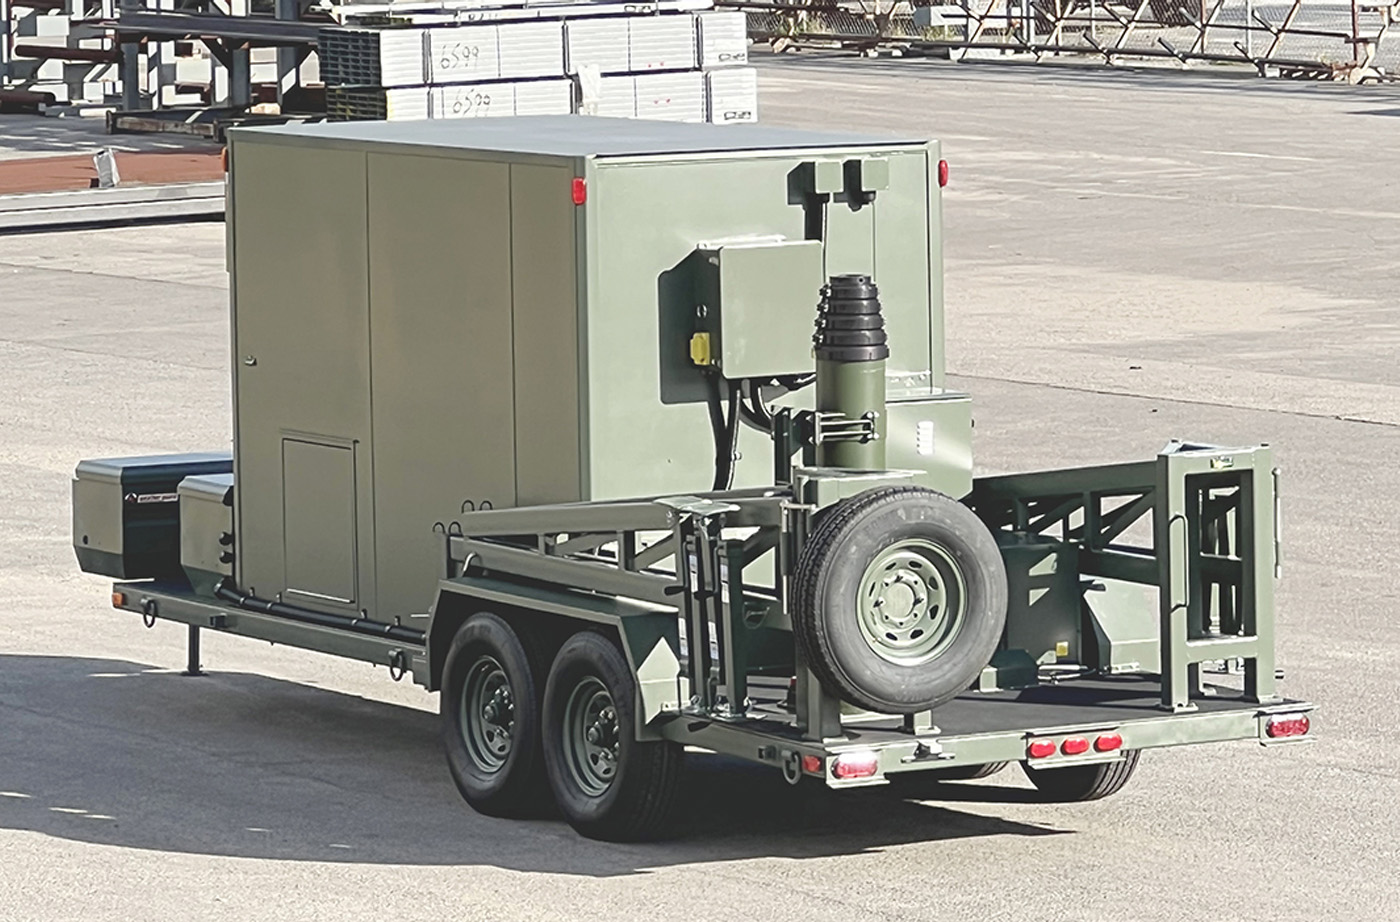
<point x="500" y="312"/>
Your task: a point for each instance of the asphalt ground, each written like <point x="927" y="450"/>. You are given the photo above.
<point x="1129" y="259"/>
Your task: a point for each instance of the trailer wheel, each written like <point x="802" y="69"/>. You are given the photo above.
<point x="1079" y="783"/>
<point x="900" y="599"/>
<point x="607" y="784"/>
<point x="490" y="718"/>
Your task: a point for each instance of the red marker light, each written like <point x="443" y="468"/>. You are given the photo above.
<point x="579" y="191"/>
<point x="1285" y="725"/>
<point x="1039" y="749"/>
<point x="860" y="764"/>
<point x="942" y="173"/>
<point x="118" y="599"/>
<point x="1075" y="745"/>
<point x="1108" y="742"/>
<point x="812" y="765"/>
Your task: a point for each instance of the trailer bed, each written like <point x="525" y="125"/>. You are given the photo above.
<point x="975" y="728"/>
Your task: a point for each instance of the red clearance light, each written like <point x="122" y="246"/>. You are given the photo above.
<point x="1285" y="725"/>
<point x="942" y="173"/>
<point x="1108" y="742"/>
<point x="579" y="191"/>
<point x="860" y="764"/>
<point x="118" y="599"/>
<point x="812" y="765"/>
<point x="1075" y="745"/>
<point x="1039" y="749"/>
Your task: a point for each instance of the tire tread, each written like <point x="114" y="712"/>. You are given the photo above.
<point x="1083" y="783"/>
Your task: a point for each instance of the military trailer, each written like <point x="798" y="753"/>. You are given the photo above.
<point x="634" y="437"/>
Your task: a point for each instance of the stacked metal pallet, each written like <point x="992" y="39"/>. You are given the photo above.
<point x="673" y="59"/>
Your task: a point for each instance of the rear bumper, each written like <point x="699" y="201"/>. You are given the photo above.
<point x="979" y="728"/>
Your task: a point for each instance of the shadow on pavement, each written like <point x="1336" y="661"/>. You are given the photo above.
<point x="236" y="765"/>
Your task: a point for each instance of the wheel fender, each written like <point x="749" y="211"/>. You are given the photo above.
<point x="650" y="637"/>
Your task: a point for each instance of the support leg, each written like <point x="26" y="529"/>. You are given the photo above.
<point x="192" y="667"/>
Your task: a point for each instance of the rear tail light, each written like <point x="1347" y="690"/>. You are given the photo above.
<point x="1280" y="726"/>
<point x="860" y="764"/>
<point x="1039" y="749"/>
<point x="942" y="173"/>
<point x="118" y="599"/>
<point x="1075" y="745"/>
<point x="812" y="765"/>
<point x="1108" y="742"/>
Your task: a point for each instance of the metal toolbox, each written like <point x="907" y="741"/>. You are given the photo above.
<point x="206" y="530"/>
<point x="126" y="518"/>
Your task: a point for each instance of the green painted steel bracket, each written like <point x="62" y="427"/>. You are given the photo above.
<point x="1213" y="556"/>
<point x="820" y="487"/>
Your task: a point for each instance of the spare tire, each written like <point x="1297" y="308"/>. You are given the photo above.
<point x="899" y="599"/>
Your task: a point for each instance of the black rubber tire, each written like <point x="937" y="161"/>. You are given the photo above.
<point x="517" y="787"/>
<point x="845" y="541"/>
<point x="1079" y="783"/>
<point x="638" y="803"/>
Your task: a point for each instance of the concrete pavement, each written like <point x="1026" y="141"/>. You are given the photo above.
<point x="1129" y="259"/>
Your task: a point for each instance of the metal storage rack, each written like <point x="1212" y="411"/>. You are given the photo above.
<point x="197" y="62"/>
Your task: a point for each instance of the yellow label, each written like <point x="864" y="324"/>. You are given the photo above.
<point x="1062" y="648"/>
<point x="700" y="348"/>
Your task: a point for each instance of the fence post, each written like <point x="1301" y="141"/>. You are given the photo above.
<point x="1355" y="33"/>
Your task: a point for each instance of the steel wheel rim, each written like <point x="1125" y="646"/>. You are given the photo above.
<point x="913" y="602"/>
<point x="488" y="714"/>
<point x="591" y="738"/>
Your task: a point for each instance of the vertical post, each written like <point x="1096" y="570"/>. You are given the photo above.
<point x="818" y="713"/>
<point x="690" y="569"/>
<point x="4" y="43"/>
<point x="1355" y="33"/>
<point x="288" y="58"/>
<point x="192" y="667"/>
<point x="131" y="67"/>
<point x="1257" y="511"/>
<point x="734" y="666"/>
<point x="240" y="78"/>
<point x="1249" y="29"/>
<point x="240" y="69"/>
<point x="1170" y="537"/>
